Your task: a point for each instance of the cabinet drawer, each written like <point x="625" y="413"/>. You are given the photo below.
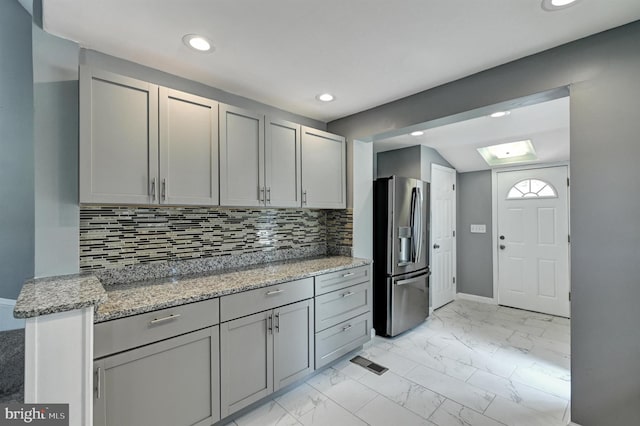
<point x="338" y="306"/>
<point x="341" y="339"/>
<point x="252" y="301"/>
<point x="341" y="279"/>
<point x="126" y="333"/>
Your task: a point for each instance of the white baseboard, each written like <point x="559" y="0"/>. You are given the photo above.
<point x="7" y="321"/>
<point x="474" y="298"/>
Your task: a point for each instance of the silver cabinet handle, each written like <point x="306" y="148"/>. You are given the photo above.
<point x="270" y="324"/>
<point x="304" y="197"/>
<point x="261" y="194"/>
<point x="268" y="195"/>
<point x="346" y="327"/>
<point x="163" y="319"/>
<point x="98" y="384"/>
<point x="153" y="189"/>
<point x="277" y="326"/>
<point x="272" y="292"/>
<point x="347" y="294"/>
<point x="349" y="274"/>
<point x="164" y="189"/>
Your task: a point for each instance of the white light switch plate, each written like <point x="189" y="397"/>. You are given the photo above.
<point x="479" y="229"/>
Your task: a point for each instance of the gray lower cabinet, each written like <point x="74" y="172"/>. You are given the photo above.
<point x="264" y="352"/>
<point x="174" y="382"/>
<point x="343" y="301"/>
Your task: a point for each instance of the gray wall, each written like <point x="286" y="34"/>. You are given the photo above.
<point x="602" y="72"/>
<point x="55" y="75"/>
<point x="131" y="69"/>
<point x="474" y="251"/>
<point x="16" y="149"/>
<point x="413" y="162"/>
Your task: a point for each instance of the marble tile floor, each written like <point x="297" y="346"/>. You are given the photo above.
<point x="469" y="364"/>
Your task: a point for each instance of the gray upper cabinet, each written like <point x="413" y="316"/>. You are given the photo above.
<point x="188" y="149"/>
<point x="144" y="144"/>
<point x="118" y="139"/>
<point x="283" y="172"/>
<point x="241" y="157"/>
<point x="324" y="173"/>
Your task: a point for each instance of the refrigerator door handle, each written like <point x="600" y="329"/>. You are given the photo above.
<point x="412" y="223"/>
<point x="410" y="280"/>
<point x="419" y="221"/>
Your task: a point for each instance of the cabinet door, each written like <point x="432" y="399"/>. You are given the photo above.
<point x="323" y="170"/>
<point x="292" y="343"/>
<point x="118" y="139"/>
<point x="246" y="361"/>
<point x="282" y="163"/>
<point x="241" y="157"/>
<point x="188" y="149"/>
<point x="173" y="383"/>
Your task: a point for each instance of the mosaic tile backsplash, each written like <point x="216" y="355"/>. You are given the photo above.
<point x="120" y="236"/>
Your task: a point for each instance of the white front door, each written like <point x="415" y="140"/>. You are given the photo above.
<point x="533" y="240"/>
<point x="443" y="241"/>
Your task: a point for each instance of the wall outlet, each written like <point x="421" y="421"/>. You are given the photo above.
<point x="479" y="229"/>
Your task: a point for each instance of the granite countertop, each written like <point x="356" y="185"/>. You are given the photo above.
<point x="145" y="296"/>
<point x="42" y="296"/>
<point x="51" y="295"/>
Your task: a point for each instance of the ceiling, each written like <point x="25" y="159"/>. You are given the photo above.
<point x="546" y="124"/>
<point x="366" y="52"/>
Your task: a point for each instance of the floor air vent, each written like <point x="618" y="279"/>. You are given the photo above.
<point x="369" y="365"/>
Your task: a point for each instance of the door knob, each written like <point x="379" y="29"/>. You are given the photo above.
<point x="502" y="247"/>
<point x="436" y="246"/>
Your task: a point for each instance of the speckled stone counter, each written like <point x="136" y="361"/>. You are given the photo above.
<point x="52" y="295"/>
<point x="135" y="298"/>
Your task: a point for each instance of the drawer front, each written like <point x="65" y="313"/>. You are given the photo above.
<point x="126" y="333"/>
<point x="338" y="306"/>
<point x="341" y="279"/>
<point x="258" y="300"/>
<point x="341" y="339"/>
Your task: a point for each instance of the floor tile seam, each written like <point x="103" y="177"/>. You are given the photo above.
<point x="566" y="401"/>
<point x="412" y="383"/>
<point x="525" y="407"/>
<point x="468" y="408"/>
<point x="297" y="418"/>
<point x="395" y="403"/>
<point x="338" y="402"/>
<point x="542" y="390"/>
<point x="448" y="397"/>
<point x="441" y="372"/>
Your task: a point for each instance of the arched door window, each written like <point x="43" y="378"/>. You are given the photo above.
<point x="532" y="188"/>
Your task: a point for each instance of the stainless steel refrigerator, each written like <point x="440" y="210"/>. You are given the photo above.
<point x="401" y="256"/>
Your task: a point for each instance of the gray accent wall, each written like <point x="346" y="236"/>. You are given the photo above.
<point x="602" y="73"/>
<point x="412" y="162"/>
<point x="474" y="251"/>
<point x="16" y="149"/>
<point x="57" y="215"/>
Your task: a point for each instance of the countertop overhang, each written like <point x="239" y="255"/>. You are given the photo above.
<point x="64" y="293"/>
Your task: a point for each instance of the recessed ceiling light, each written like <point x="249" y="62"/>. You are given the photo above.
<point x="551" y="5"/>
<point x="325" y="97"/>
<point x="508" y="153"/>
<point x="197" y="42"/>
<point x="417" y="133"/>
<point x="499" y="114"/>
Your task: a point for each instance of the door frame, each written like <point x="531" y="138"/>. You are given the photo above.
<point x="455" y="228"/>
<point x="494" y="216"/>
